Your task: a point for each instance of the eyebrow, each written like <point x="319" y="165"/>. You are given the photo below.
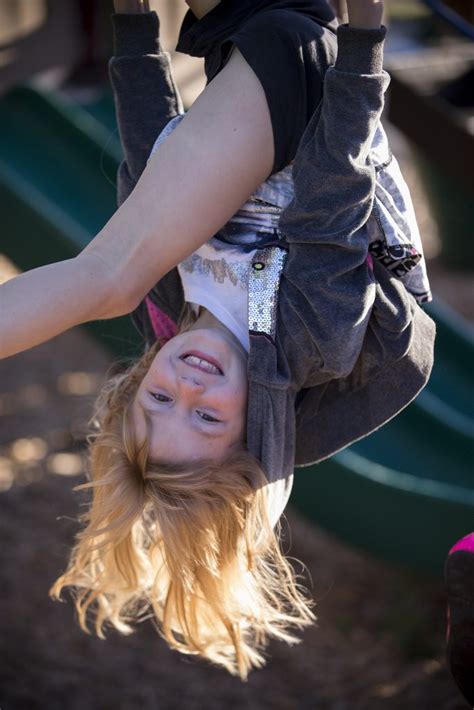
<point x="207" y="434"/>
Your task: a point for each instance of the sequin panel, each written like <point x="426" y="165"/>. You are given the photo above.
<point x="264" y="281"/>
<point x="219" y="268"/>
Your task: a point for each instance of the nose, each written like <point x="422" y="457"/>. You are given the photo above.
<point x="191" y="382"/>
<point x="189" y="377"/>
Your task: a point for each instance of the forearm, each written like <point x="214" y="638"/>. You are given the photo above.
<point x="44" y="302"/>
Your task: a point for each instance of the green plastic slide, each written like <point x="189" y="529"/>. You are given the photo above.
<point x="405" y="493"/>
<point x="58" y="168"/>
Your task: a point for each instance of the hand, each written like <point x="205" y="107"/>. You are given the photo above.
<point x="131" y="7"/>
<point x="365" y="14"/>
<point x="339" y="7"/>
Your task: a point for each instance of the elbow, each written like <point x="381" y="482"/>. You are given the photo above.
<point x="119" y="305"/>
<point x="108" y="295"/>
<point x="123" y="292"/>
<point x="129" y="302"/>
<point x="126" y="295"/>
<point x="121" y="299"/>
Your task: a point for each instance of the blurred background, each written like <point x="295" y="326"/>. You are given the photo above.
<point x="372" y="525"/>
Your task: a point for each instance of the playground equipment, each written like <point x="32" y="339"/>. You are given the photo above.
<point x="57" y="188"/>
<point x="404" y="493"/>
<point x="452" y="17"/>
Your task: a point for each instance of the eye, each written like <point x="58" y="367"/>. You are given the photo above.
<point x="158" y="395"/>
<point x="206" y="417"/>
<point x="163" y="398"/>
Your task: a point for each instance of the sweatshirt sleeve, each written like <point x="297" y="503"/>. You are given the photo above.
<point x="326" y="223"/>
<point x="145" y="93"/>
<point x="334" y="179"/>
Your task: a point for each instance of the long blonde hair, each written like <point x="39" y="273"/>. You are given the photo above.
<point x="189" y="546"/>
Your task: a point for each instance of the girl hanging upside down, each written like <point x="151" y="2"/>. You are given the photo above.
<point x="267" y="250"/>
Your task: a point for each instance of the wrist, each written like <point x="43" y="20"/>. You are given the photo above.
<point x="360" y="50"/>
<point x="131" y="7"/>
<point x="365" y="14"/>
<point x="136" y="34"/>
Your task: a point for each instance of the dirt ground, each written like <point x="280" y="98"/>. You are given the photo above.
<point x="379" y="641"/>
<point x="378" y="644"/>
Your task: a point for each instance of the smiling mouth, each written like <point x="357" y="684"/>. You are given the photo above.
<point x="202" y="362"/>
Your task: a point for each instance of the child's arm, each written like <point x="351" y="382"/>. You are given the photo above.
<point x="325" y="224"/>
<point x="334" y="179"/>
<point x="219" y="154"/>
<point x="146" y="97"/>
<point x="44" y="302"/>
<point x="48" y="300"/>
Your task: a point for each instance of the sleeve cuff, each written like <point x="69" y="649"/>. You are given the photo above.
<point x="136" y="35"/>
<point x="360" y="51"/>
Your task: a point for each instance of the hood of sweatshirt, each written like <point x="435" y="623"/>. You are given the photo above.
<point x="200" y="37"/>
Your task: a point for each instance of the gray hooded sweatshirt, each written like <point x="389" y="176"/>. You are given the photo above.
<point x="337" y="348"/>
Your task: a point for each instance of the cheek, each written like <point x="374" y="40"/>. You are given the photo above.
<point x="234" y="395"/>
<point x="160" y="362"/>
<point x="238" y="391"/>
<point x="244" y="381"/>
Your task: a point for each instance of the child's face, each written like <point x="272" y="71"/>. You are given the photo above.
<point x="181" y="399"/>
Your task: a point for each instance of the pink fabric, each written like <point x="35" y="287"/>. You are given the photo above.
<point x="163" y="327"/>
<point x="370" y="261"/>
<point x="465" y="543"/>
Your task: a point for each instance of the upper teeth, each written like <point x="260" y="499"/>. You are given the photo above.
<point x="194" y="360"/>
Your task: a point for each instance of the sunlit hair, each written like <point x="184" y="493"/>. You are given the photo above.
<point x="189" y="546"/>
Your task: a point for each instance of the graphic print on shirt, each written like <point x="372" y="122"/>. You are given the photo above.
<point x="220" y="269"/>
